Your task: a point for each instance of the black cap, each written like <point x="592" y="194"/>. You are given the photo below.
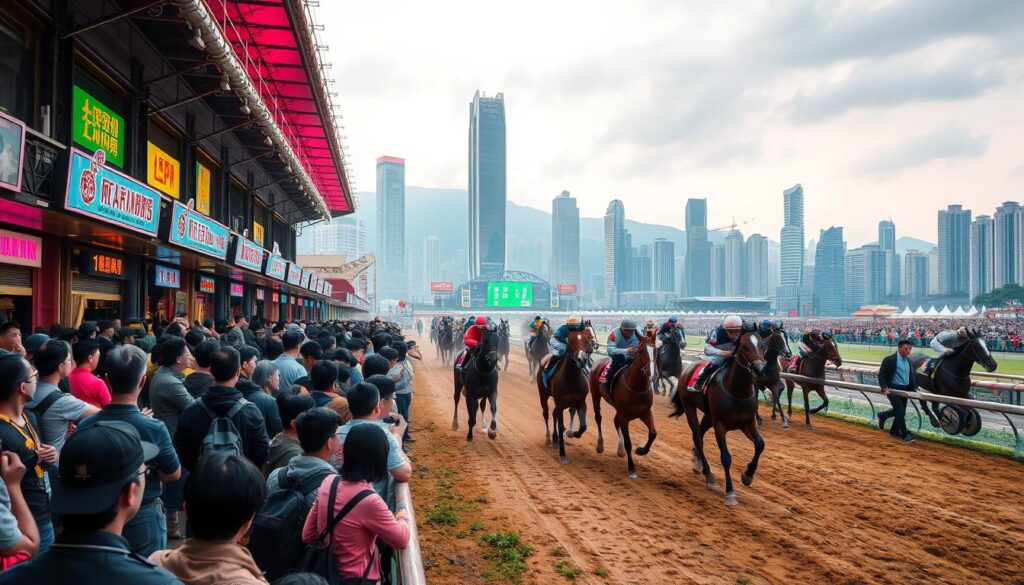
<point x="95" y="465"/>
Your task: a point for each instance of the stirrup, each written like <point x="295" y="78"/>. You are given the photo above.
<point x="692" y="389"/>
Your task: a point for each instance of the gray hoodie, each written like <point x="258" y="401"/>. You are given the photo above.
<point x="308" y="471"/>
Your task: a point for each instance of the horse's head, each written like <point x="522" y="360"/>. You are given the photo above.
<point x="578" y="346"/>
<point x="979" y="351"/>
<point x="489" y="344"/>
<point x="831" y="349"/>
<point x="775" y="338"/>
<point x="750" y="353"/>
<point x="593" y="343"/>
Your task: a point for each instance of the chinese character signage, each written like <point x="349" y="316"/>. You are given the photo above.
<point x="260" y="294"/>
<point x="277" y="267"/>
<point x="248" y="255"/>
<point x="163" y="171"/>
<point x="294" y="274"/>
<point x="467" y="299"/>
<point x="20" y="249"/>
<point x="203" y="180"/>
<point x="97" y="127"/>
<point x="167" y="277"/>
<point x="236" y="289"/>
<point x="197" y="232"/>
<point x="12" y="152"/>
<point x="304" y="282"/>
<point x="567" y="289"/>
<point x="257" y="232"/>
<point x="102" y="264"/>
<point x="103" y="193"/>
<point x="442" y="286"/>
<point x="207" y="284"/>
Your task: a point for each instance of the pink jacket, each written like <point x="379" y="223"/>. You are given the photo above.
<point x="354" y="535"/>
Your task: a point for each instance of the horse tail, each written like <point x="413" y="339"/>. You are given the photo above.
<point x="677" y="402"/>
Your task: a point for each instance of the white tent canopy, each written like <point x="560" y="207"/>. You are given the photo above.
<point x="932" y="312"/>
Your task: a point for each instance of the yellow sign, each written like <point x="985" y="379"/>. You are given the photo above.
<point x="163" y="171"/>
<point x="202" y="189"/>
<point x="257" y="232"/>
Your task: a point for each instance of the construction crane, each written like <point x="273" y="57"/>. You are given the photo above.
<point x="734" y="224"/>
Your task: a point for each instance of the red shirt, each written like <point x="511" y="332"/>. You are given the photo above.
<point x="473" y="336"/>
<point x="88" y="388"/>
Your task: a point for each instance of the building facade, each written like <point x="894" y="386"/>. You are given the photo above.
<point x="735" y="265"/>
<point x="718" y="269"/>
<point x="664" y="266"/>
<point x="392" y="276"/>
<point x="1005" y="244"/>
<point x="698" y="249"/>
<point x="565" y="240"/>
<point x="954" y="231"/>
<point x="982" y="259"/>
<point x="431" y="262"/>
<point x="791" y="242"/>
<point x="757" y="266"/>
<point x="342" y="236"/>
<point x="487" y="184"/>
<point x="864" y="276"/>
<point x="616" y="253"/>
<point x="915" y="276"/>
<point x="829" y="274"/>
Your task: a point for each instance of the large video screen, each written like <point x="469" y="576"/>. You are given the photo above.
<point x="509" y="294"/>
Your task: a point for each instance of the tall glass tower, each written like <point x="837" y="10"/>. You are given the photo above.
<point x="486" y="184"/>
<point x="392" y="279"/>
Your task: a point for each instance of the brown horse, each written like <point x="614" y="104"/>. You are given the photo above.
<point x="813" y="366"/>
<point x="568" y="386"/>
<point x="730" y="404"/>
<point x="632" y="396"/>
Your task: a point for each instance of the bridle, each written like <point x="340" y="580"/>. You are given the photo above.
<point x="646" y="371"/>
<point x="744" y="362"/>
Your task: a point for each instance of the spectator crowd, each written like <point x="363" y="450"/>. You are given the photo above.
<point x="267" y="452"/>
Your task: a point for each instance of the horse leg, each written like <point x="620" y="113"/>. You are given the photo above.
<point x="789" y="397"/>
<point x="824" y="400"/>
<point x="560" y="422"/>
<point x="595" y="398"/>
<point x="751" y="432"/>
<point x="700" y="462"/>
<point x="572" y="421"/>
<point x="471" y="406"/>
<point x="625" y="443"/>
<point x="652" y="433"/>
<point x="723" y="447"/>
<point x="544" y="411"/>
<point x="582" y="413"/>
<point x="807" y="408"/>
<point x="455" y="414"/>
<point x="483" y="414"/>
<point x="493" y="431"/>
<point x="928" y="411"/>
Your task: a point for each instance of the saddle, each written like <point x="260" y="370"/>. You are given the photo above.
<point x="696" y="374"/>
<point x="793" y="364"/>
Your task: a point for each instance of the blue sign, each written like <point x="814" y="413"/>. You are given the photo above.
<point x="196" y="232"/>
<point x="305" y="279"/>
<point x="276" y="267"/>
<point x="167" y="277"/>
<point x="294" y="274"/>
<point x="247" y="254"/>
<point x="100" y="192"/>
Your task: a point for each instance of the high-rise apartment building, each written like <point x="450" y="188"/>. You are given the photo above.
<point x="954" y="231"/>
<point x="915" y="276"/>
<point x="864" y="276"/>
<point x="392" y="278"/>
<point x="664" y="265"/>
<point x="829" y="276"/>
<point x="717" y="271"/>
<point x="981" y="264"/>
<point x="487" y="184"/>
<point x="735" y="275"/>
<point x="887" y="243"/>
<point x="565" y="240"/>
<point x="642" y="269"/>
<point x="680" y="275"/>
<point x="431" y="261"/>
<point x="791" y="243"/>
<point x="757" y="266"/>
<point x="698" y="249"/>
<point x="1006" y="244"/>
<point x="616" y="253"/>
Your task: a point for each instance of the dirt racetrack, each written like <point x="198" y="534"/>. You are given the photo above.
<point x="841" y="504"/>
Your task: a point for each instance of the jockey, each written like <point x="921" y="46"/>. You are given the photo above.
<point x="670" y="329"/>
<point x="468" y="323"/>
<point x="472" y="338"/>
<point x="623" y="343"/>
<point x="718" y="347"/>
<point x="946" y="342"/>
<point x="560" y="341"/>
<point x="535" y="327"/>
<point x="810" y="343"/>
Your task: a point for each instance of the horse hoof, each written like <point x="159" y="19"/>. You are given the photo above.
<point x="697" y="466"/>
<point x="563" y="460"/>
<point x="632" y="475"/>
<point x="641" y="451"/>
<point x="621" y="452"/>
<point x="730" y="500"/>
<point x="469" y="441"/>
<point x="746" y="479"/>
<point x="809" y="427"/>
<point x="711" y="484"/>
<point x="492" y="434"/>
<point x="785" y="424"/>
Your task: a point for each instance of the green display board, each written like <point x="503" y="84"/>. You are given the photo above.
<point x="509" y="294"/>
<point x="96" y="126"/>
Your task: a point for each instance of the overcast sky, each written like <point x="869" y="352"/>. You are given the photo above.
<point x="880" y="109"/>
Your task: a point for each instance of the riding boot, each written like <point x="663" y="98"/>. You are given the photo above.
<point x="702" y="378"/>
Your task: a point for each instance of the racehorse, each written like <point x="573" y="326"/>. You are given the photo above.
<point x="729" y="403"/>
<point x="446" y="342"/>
<point x="433" y="331"/>
<point x="670" y="362"/>
<point x="777" y="357"/>
<point x="504" y="345"/>
<point x="632" y="395"/>
<point x="479" y="381"/>
<point x="951" y="376"/>
<point x="592" y="346"/>
<point x="540" y="348"/>
<point x="813" y="366"/>
<point x="568" y="386"/>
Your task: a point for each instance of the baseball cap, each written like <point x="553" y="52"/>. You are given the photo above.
<point x="95" y="465"/>
<point x="33" y="342"/>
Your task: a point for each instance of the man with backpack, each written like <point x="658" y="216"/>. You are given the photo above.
<point x="276" y="537"/>
<point x="324" y="376"/>
<point x="222" y="421"/>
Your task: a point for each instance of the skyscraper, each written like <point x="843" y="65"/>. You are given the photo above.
<point x="680" y="276"/>
<point x="664" y="265"/>
<point x="698" y="249"/>
<point x="887" y="235"/>
<point x="864" y="276"/>
<point x="915" y="276"/>
<point x="486" y="184"/>
<point x="392" y="279"/>
<point x="616" y="253"/>
<point x="735" y="275"/>
<point x="344" y="236"/>
<point x="565" y="240"/>
<point x="829" y="285"/>
<point x="982" y="259"/>
<point x="717" y="271"/>
<point x="641" y="268"/>
<point x="954" y="229"/>
<point x="887" y="243"/>
<point x="792" y="249"/>
<point x="431" y="261"/>
<point x="1005" y="244"/>
<point x="756" y="256"/>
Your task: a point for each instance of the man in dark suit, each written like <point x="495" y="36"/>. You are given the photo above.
<point x="897" y="373"/>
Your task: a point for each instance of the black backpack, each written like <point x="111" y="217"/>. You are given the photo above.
<point x="222" y="437"/>
<point x="276" y="537"/>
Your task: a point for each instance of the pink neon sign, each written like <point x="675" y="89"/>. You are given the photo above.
<point x="20" y="249"/>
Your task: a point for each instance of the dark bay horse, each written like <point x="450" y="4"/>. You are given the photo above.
<point x="592" y="345"/>
<point x="632" y="395"/>
<point x="540" y="347"/>
<point x="813" y="366"/>
<point x="446" y="342"/>
<point x="730" y="404"/>
<point x="479" y="382"/>
<point x="952" y="377"/>
<point x="777" y="356"/>
<point x="568" y="386"/>
<point x="504" y="345"/>
<point x="670" y="362"/>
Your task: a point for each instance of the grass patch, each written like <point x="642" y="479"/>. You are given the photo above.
<point x="556" y="552"/>
<point x="443" y="513"/>
<point x="601" y="573"/>
<point x="566" y="570"/>
<point x="508" y="553"/>
<point x="476" y="526"/>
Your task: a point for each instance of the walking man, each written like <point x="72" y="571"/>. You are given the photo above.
<point x="896" y="373"/>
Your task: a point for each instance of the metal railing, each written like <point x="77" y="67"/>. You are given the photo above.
<point x="409" y="568"/>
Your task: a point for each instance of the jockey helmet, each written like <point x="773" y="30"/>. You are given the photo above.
<point x="480" y="321"/>
<point x="733" y="322"/>
<point x="673" y="320"/>
<point x="537" y="318"/>
<point x="962" y="332"/>
<point x="574" y="320"/>
<point x="628" y="325"/>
